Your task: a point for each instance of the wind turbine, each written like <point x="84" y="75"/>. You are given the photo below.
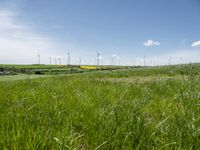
<point x="181" y="60"/>
<point x="50" y="60"/>
<point x="38" y="55"/>
<point x="80" y="61"/>
<point x="55" y="61"/>
<point x="134" y="62"/>
<point x="118" y="62"/>
<point x="169" y="60"/>
<point x="98" y="58"/>
<point x="144" y="60"/>
<point x="59" y="59"/>
<point x="68" y="58"/>
<point x="114" y="59"/>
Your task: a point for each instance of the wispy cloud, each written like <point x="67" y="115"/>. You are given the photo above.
<point x="150" y="43"/>
<point x="20" y="42"/>
<point x="7" y="22"/>
<point x="196" y="44"/>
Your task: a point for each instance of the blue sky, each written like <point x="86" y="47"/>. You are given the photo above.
<point x="125" y="29"/>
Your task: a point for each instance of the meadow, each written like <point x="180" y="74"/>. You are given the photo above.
<point x="130" y="108"/>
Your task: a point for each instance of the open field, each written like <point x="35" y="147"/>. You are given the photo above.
<point x="138" y="108"/>
<point x="20" y="77"/>
<point x="52" y="69"/>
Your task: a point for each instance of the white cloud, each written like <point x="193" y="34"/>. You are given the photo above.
<point x="114" y="56"/>
<point x="19" y="43"/>
<point x="196" y="44"/>
<point x="150" y="43"/>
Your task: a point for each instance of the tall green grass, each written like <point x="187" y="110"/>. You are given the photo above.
<point x="81" y="112"/>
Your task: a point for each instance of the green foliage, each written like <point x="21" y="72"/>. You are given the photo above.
<point x="90" y="111"/>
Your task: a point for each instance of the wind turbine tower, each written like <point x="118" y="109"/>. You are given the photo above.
<point x="50" y="60"/>
<point x="59" y="59"/>
<point x="80" y="61"/>
<point x="144" y="60"/>
<point x="98" y="58"/>
<point x="114" y="59"/>
<point x="55" y="61"/>
<point x="38" y="55"/>
<point x="169" y="60"/>
<point x="118" y="61"/>
<point x="181" y="60"/>
<point x="134" y="62"/>
<point x="68" y="58"/>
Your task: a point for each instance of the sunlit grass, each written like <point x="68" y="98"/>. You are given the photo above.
<point x="20" y="77"/>
<point x="84" y="112"/>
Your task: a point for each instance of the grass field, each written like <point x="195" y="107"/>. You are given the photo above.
<point x="20" y="77"/>
<point x="7" y="69"/>
<point x="140" y="108"/>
